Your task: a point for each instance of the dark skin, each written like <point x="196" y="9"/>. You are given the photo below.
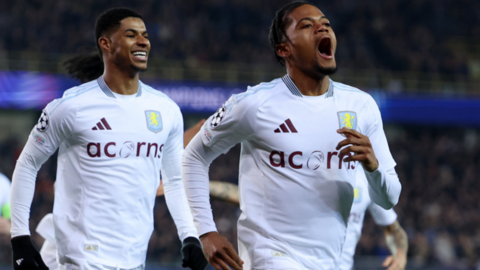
<point x="300" y="50"/>
<point x="122" y="67"/>
<point x="361" y="146"/>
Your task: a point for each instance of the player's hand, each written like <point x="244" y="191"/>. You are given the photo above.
<point x="192" y="254"/>
<point x="219" y="252"/>
<point x="396" y="262"/>
<point x="191" y="132"/>
<point x="361" y="147"/>
<point x="25" y="255"/>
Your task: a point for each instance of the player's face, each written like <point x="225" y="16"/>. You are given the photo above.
<point x="130" y="45"/>
<point x="312" y="42"/>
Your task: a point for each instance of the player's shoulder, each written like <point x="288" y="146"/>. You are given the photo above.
<point x="350" y="92"/>
<point x="256" y="94"/>
<point x="73" y="96"/>
<point x="157" y="95"/>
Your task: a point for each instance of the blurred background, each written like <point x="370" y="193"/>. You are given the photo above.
<point x="419" y="59"/>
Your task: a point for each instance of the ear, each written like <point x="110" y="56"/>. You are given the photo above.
<point x="105" y="44"/>
<point x="283" y="50"/>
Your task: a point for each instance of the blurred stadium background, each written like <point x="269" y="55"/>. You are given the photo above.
<point x="420" y="59"/>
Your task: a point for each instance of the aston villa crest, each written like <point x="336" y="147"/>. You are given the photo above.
<point x="154" y="120"/>
<point x="347" y="119"/>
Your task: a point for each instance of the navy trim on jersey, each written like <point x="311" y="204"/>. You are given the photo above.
<point x="291" y="86"/>
<point x="294" y="89"/>
<point x="109" y="92"/>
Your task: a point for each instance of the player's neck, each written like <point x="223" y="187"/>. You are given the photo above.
<point x="121" y="82"/>
<point x="309" y="85"/>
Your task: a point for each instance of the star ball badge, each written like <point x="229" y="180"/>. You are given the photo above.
<point x="217" y="117"/>
<point x="42" y="124"/>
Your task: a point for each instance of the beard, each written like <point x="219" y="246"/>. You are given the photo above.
<point x="325" y="71"/>
<point x="138" y="69"/>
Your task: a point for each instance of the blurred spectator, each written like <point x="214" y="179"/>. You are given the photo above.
<point x="401" y="35"/>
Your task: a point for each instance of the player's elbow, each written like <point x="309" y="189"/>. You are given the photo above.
<point x="389" y="200"/>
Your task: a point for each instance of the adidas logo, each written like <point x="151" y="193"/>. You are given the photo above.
<point x="19" y="261"/>
<point x="102" y="127"/>
<point x="285" y="128"/>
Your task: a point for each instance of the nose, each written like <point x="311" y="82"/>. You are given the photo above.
<point x="322" y="28"/>
<point x="142" y="41"/>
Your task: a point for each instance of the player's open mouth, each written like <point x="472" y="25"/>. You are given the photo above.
<point x="325" y="48"/>
<point x="140" y="55"/>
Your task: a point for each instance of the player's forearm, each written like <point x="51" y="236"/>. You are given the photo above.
<point x="178" y="207"/>
<point x="384" y="187"/>
<point x="396" y="238"/>
<point x="195" y="163"/>
<point x="23" y="188"/>
<point x="224" y="191"/>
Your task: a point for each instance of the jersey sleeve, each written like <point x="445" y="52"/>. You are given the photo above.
<point x="384" y="185"/>
<point x="172" y="181"/>
<point x="232" y="123"/>
<point x="381" y="216"/>
<point x="54" y="126"/>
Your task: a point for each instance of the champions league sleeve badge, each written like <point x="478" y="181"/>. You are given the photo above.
<point x="217" y="117"/>
<point x="43" y="122"/>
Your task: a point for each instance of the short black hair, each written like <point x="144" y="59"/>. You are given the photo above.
<point x="111" y="19"/>
<point x="279" y="24"/>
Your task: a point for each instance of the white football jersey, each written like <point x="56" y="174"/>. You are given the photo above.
<point x="111" y="151"/>
<point x="295" y="191"/>
<point x="362" y="203"/>
<point x="4" y="196"/>
<point x="48" y="251"/>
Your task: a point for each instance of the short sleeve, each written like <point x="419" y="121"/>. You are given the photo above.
<point x="376" y="134"/>
<point x="55" y="125"/>
<point x="232" y="123"/>
<point x="381" y="216"/>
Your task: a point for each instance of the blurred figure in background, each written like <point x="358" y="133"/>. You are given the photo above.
<point x="4" y="205"/>
<point x="395" y="235"/>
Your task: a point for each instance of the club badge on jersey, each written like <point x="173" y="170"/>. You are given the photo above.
<point x="347" y="119"/>
<point x="154" y="121"/>
<point x="357" y="195"/>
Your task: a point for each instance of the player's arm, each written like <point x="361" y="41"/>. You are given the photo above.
<point x="397" y="242"/>
<point x="187" y="137"/>
<point x="192" y="255"/>
<point x="55" y="125"/>
<point x="231" y="124"/>
<point x="5" y="224"/>
<point x="395" y="236"/>
<point x="372" y="151"/>
<point x="224" y="191"/>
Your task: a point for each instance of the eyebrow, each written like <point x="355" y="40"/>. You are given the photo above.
<point x="135" y="31"/>
<point x="311" y="19"/>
